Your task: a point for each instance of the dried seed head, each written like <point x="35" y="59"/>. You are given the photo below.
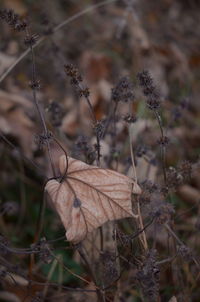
<point x="130" y="118"/>
<point x="35" y="84"/>
<point x="73" y="73"/>
<point x="185" y="169"/>
<point x="100" y="127"/>
<point x="148" y="277"/>
<point x="41" y="139"/>
<point x="82" y="146"/>
<point x="177" y="176"/>
<point x="163" y="212"/>
<point x="141" y="150"/>
<point x="163" y="141"/>
<point x="149" y="90"/>
<point x="123" y="92"/>
<point x="150" y="187"/>
<point x="12" y="19"/>
<point x="174" y="178"/>
<point x="84" y="92"/>
<point x="30" y="40"/>
<point x="185" y="252"/>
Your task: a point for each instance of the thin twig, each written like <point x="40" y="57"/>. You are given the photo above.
<point x="162" y="148"/>
<point x="42" y="120"/>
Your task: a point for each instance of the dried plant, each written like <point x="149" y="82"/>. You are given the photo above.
<point x="126" y="237"/>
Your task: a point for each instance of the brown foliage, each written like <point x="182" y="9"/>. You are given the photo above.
<point x="89" y="196"/>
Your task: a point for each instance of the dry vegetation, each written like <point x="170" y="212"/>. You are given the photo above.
<point x="115" y="86"/>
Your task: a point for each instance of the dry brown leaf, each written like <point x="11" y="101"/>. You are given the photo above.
<point x="90" y="196"/>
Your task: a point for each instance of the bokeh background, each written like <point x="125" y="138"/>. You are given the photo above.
<point x="120" y="38"/>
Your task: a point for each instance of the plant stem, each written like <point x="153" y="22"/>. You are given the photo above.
<point x="162" y="148"/>
<point x="42" y="120"/>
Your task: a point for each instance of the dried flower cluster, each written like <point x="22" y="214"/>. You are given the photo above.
<point x="148" y="277"/>
<point x="30" y="40"/>
<point x="185" y="252"/>
<point x="123" y="92"/>
<point x="43" y="139"/>
<point x="82" y="146"/>
<point x="12" y="19"/>
<point x="76" y="80"/>
<point x="149" y="90"/>
<point x="130" y="118"/>
<point x="163" y="212"/>
<point x="177" y="176"/>
<point x="163" y="141"/>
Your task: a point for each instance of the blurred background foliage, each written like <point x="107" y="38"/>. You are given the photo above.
<point x="120" y="38"/>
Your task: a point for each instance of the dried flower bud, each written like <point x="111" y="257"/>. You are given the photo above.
<point x="185" y="169"/>
<point x="150" y="187"/>
<point x="173" y="178"/>
<point x="42" y="139"/>
<point x="84" y="92"/>
<point x="141" y="150"/>
<point x="82" y="146"/>
<point x="185" y="252"/>
<point x="130" y="118"/>
<point x="12" y="19"/>
<point x="30" y="40"/>
<point x="148" y="277"/>
<point x="35" y="84"/>
<point x="73" y="73"/>
<point x="163" y="212"/>
<point x="164" y="141"/>
<point x="100" y="127"/>
<point x="123" y="92"/>
<point x="149" y="90"/>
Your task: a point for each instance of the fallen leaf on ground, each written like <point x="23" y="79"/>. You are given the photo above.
<point x="89" y="196"/>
